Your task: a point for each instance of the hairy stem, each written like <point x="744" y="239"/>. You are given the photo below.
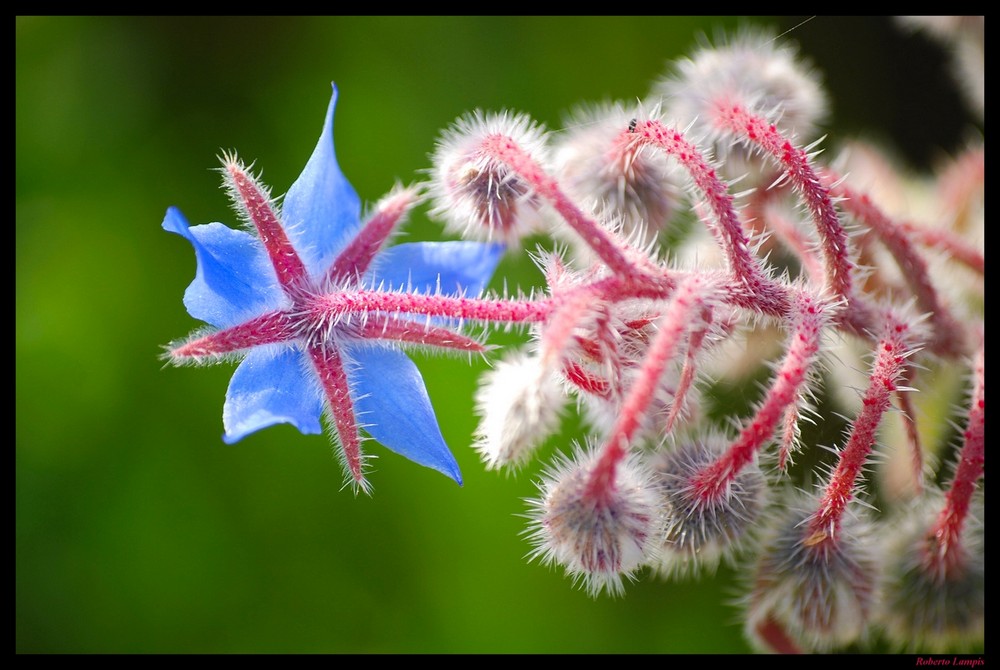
<point x="760" y="291"/>
<point x="947" y="531"/>
<point x="504" y="149"/>
<point x="798" y="167"/>
<point x="807" y="321"/>
<point x="947" y="332"/>
<point x="890" y="360"/>
<point x="679" y="317"/>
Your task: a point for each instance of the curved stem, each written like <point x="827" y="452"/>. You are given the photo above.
<point x="893" y="348"/>
<point x="796" y="162"/>
<point x="504" y="149"/>
<point x="947" y="530"/>
<point x="804" y="339"/>
<point x="761" y="291"/>
<point x="948" y="333"/>
<point x="679" y="317"/>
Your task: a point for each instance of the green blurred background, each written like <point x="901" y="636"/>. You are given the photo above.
<point x="137" y="529"/>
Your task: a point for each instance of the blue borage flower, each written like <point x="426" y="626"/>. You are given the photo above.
<point x="266" y="295"/>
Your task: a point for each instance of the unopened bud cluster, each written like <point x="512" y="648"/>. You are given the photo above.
<point x="695" y="244"/>
<point x="637" y="335"/>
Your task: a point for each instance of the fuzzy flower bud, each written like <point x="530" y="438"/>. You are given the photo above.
<point x="704" y="527"/>
<point x="599" y="535"/>
<point x="622" y="185"/>
<point x="811" y="592"/>
<point x="475" y="193"/>
<point x="519" y="401"/>
<point x="754" y="71"/>
<point x="931" y="604"/>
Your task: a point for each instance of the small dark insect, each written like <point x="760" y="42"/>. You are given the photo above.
<point x="631" y="125"/>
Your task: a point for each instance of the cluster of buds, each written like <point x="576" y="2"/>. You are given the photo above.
<point x="664" y="283"/>
<point x="664" y="277"/>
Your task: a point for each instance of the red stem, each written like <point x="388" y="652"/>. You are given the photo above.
<point x="951" y="244"/>
<point x="890" y="360"/>
<point x="760" y="291"/>
<point x="763" y="216"/>
<point x="798" y="167"/>
<point x="687" y="374"/>
<point x="334" y="306"/>
<point x="948" y="333"/>
<point x="562" y="324"/>
<point x="804" y="339"/>
<point x="947" y="531"/>
<point x="677" y="319"/>
<point x="506" y="150"/>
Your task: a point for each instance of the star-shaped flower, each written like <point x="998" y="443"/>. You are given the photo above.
<point x="281" y="296"/>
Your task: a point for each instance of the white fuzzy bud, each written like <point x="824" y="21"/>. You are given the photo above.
<point x="519" y="401"/>
<point x="633" y="189"/>
<point x="598" y="536"/>
<point x="702" y="530"/>
<point x="475" y="191"/>
<point x="755" y="70"/>
<point x="820" y="593"/>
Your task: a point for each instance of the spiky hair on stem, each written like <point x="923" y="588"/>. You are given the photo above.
<point x="624" y="342"/>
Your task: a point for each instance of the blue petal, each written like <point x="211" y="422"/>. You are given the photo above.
<point x="462" y="266"/>
<point x="392" y="405"/>
<point x="321" y="211"/>
<point x="267" y="389"/>
<point x="234" y="280"/>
